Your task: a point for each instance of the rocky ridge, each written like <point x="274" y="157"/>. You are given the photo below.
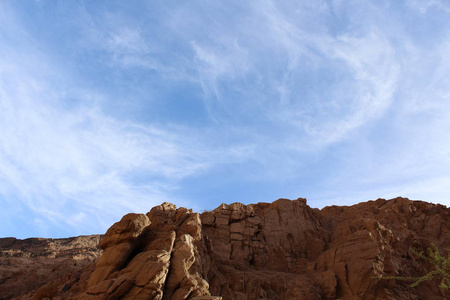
<point x="279" y="250"/>
<point x="26" y="265"/>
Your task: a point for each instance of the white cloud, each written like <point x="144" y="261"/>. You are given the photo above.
<point x="217" y="64"/>
<point x="129" y="49"/>
<point x="50" y="157"/>
<point x="424" y="5"/>
<point x="300" y="91"/>
<point x="366" y="76"/>
<point x="375" y="73"/>
<point x="70" y="164"/>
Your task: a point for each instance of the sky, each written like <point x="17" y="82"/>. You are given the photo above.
<point x="110" y="107"/>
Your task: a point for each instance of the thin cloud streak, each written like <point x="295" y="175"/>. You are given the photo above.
<point x="68" y="165"/>
<point x="333" y="101"/>
<point x="366" y="94"/>
<point x="50" y="157"/>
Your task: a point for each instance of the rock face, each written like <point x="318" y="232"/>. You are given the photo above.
<point x="280" y="250"/>
<point x="26" y="265"/>
<point x="154" y="256"/>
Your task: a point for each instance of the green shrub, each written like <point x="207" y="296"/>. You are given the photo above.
<point x="440" y="271"/>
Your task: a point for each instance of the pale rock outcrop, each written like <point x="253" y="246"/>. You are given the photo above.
<point x="118" y="243"/>
<point x="153" y="256"/>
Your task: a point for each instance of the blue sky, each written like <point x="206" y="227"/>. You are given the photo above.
<point x="110" y="107"/>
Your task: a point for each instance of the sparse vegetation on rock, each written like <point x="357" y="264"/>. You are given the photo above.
<point x="440" y="268"/>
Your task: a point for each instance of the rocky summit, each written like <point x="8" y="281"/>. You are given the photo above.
<point x="280" y="250"/>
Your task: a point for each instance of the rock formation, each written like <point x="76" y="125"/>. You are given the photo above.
<point x="26" y="265"/>
<point x="280" y="250"/>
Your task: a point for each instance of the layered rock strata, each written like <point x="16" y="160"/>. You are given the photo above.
<point x="280" y="250"/>
<point x="26" y="265"/>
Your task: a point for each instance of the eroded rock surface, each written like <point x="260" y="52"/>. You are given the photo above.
<point x="26" y="265"/>
<point x="280" y="250"/>
<point x="153" y="256"/>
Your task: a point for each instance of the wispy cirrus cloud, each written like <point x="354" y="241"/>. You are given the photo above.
<point x="66" y="160"/>
<point x="331" y="86"/>
<point x="323" y="85"/>
<point x="424" y="6"/>
<point x="120" y="108"/>
<point x="53" y="159"/>
<point x="129" y="49"/>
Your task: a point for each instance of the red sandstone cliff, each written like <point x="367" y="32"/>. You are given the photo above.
<point x="280" y="250"/>
<point x="26" y="265"/>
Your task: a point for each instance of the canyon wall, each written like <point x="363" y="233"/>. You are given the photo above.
<point x="280" y="250"/>
<point x="26" y="265"/>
